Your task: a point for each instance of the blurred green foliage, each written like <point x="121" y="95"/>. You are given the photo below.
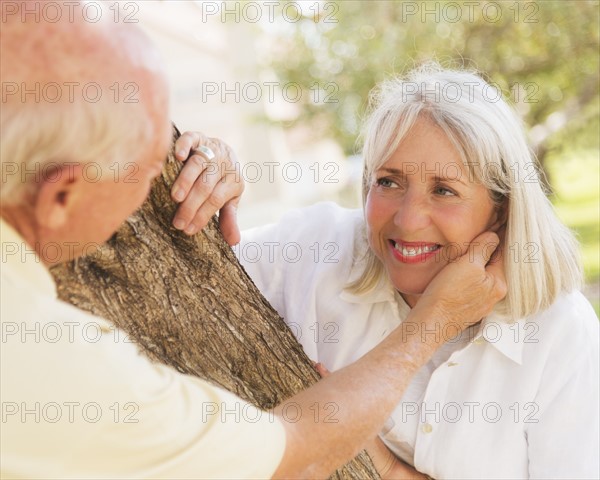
<point x="544" y="55"/>
<point x="577" y="201"/>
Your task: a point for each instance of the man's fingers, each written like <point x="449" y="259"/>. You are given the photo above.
<point x="492" y="255"/>
<point x="497" y="256"/>
<point x="482" y="248"/>
<point x="495" y="271"/>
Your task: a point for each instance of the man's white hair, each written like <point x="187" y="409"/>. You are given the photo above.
<point x="62" y="104"/>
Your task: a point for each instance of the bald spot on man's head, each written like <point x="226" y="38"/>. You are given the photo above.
<point x="77" y="50"/>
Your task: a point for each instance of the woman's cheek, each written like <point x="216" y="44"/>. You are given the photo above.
<point x="375" y="222"/>
<point x="453" y="222"/>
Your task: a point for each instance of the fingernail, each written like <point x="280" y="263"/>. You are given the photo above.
<point x="179" y="224"/>
<point x="181" y="153"/>
<point x="190" y="229"/>
<point x="178" y="195"/>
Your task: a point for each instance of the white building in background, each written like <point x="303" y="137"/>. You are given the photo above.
<point x="217" y="87"/>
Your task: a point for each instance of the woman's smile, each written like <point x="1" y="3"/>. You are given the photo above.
<point x="413" y="252"/>
<point x="421" y="205"/>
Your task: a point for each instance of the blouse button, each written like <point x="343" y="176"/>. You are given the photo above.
<point x="426" y="428"/>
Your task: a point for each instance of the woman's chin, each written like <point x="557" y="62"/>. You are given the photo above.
<point x="414" y="288"/>
<point x="410" y="296"/>
<point x="410" y="284"/>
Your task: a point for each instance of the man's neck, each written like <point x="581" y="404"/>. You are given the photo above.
<point x="20" y="219"/>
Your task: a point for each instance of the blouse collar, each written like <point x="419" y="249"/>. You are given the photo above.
<point x="504" y="336"/>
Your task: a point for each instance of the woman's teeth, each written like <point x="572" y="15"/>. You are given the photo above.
<point x="414" y="251"/>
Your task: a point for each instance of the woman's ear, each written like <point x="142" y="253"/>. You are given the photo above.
<point x="501" y="216"/>
<point x="56" y="195"/>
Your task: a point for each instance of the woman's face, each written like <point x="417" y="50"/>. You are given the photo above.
<point x="421" y="200"/>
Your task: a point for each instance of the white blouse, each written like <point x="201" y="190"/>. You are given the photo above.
<point x="502" y="401"/>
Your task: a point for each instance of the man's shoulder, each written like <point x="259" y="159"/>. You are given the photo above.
<point x="28" y="306"/>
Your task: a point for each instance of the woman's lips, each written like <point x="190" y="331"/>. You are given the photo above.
<point x="413" y="252"/>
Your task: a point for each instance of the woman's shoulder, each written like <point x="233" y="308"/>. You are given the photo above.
<point x="308" y="243"/>
<point x="569" y="308"/>
<point x="570" y="322"/>
<point x="324" y="218"/>
<point x="324" y="223"/>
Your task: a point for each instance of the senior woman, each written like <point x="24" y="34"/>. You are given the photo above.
<point x="514" y="396"/>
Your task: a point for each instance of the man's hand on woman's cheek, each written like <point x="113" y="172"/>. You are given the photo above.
<point x="467" y="289"/>
<point x="205" y="186"/>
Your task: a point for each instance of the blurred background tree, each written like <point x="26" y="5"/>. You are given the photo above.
<point x="543" y="55"/>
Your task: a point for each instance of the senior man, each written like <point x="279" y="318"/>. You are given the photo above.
<point x="78" y="400"/>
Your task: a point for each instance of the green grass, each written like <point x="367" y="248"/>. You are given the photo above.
<point x="576" y="183"/>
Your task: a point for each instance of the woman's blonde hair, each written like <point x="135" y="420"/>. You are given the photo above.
<point x="540" y="253"/>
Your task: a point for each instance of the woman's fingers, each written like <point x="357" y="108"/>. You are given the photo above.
<point x="186" y="142"/>
<point x="207" y="185"/>
<point x="196" y="165"/>
<point x="228" y="223"/>
<point x="321" y="370"/>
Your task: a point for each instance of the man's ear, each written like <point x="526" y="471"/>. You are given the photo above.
<point x="57" y="194"/>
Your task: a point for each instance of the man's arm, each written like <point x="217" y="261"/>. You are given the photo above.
<point x="365" y="393"/>
<point x="387" y="464"/>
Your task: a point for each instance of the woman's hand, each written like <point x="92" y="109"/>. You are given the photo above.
<point x="388" y="465"/>
<point x="204" y="187"/>
<point x="321" y="369"/>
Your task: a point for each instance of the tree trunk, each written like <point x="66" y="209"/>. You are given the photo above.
<point x="187" y="302"/>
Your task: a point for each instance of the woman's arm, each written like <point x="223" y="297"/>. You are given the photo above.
<point x="388" y="465"/>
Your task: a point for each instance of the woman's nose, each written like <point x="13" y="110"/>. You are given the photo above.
<point x="412" y="212"/>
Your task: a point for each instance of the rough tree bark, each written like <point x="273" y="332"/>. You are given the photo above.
<point x="188" y="303"/>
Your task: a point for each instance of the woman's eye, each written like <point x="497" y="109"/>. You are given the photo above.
<point x="444" y="191"/>
<point x="385" y="182"/>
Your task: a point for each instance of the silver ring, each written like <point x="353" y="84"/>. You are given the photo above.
<point x="206" y="152"/>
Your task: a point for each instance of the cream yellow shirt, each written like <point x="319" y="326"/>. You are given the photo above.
<point x="503" y="401"/>
<point x="79" y="400"/>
